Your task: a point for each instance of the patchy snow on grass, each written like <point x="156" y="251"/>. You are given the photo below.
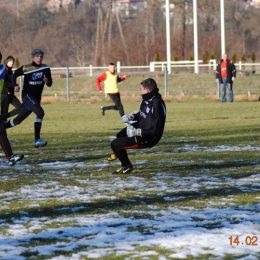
<point x="183" y="231"/>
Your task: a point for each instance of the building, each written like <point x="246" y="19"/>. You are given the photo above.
<point x="55" y="5"/>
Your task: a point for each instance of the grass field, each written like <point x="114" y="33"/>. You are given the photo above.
<point x="190" y="197"/>
<point x="180" y="86"/>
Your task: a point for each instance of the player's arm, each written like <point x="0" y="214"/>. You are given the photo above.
<point x="217" y="73"/>
<point x="121" y="78"/>
<point x="47" y="78"/>
<point x="100" y="79"/>
<point x="17" y="73"/>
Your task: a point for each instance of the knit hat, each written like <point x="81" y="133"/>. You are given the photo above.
<point x="37" y="51"/>
<point x="9" y="58"/>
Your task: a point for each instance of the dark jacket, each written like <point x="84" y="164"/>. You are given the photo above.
<point x="231" y="71"/>
<point x="151" y="117"/>
<point x="8" y="89"/>
<point x="33" y="79"/>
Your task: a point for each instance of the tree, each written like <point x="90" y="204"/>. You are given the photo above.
<point x="176" y="58"/>
<point x="234" y="57"/>
<point x="157" y="57"/>
<point x="253" y="58"/>
<point x="17" y="63"/>
<point x="243" y="60"/>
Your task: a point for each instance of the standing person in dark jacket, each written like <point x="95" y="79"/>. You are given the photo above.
<point x="225" y="75"/>
<point x="147" y="129"/>
<point x="4" y="142"/>
<point x="8" y="96"/>
<point x="111" y="87"/>
<point x="36" y="75"/>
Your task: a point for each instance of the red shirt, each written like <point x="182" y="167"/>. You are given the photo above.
<point x="103" y="77"/>
<point x="223" y="68"/>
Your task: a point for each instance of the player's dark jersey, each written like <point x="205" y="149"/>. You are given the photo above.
<point x="8" y="89"/>
<point x="33" y="79"/>
<point x="151" y="117"/>
<point x="2" y="79"/>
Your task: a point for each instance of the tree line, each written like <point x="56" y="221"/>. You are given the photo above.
<point x="99" y="32"/>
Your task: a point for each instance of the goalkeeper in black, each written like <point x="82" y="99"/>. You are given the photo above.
<point x="145" y="127"/>
<point x="36" y="75"/>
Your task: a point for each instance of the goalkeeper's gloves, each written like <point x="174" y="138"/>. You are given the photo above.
<point x="132" y="131"/>
<point x="127" y="118"/>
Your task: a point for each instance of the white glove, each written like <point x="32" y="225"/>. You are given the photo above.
<point x="131" y="131"/>
<point x="127" y="118"/>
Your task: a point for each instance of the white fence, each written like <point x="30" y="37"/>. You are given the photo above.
<point x="179" y="69"/>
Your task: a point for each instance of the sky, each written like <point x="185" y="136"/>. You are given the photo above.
<point x="183" y="231"/>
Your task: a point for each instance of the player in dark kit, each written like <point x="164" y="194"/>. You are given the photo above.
<point x="4" y="142"/>
<point x="147" y="129"/>
<point x="8" y="92"/>
<point x="36" y="75"/>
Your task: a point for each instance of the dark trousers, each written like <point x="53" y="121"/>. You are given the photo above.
<point x="5" y="101"/>
<point x="4" y="140"/>
<point x="24" y="113"/>
<point x="118" y="105"/>
<point x="123" y="143"/>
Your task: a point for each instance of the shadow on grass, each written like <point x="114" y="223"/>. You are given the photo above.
<point x="186" y="197"/>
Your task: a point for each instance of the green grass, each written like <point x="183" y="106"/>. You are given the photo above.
<point x="180" y="86"/>
<point x="77" y="132"/>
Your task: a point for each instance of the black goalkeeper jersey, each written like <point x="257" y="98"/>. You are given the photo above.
<point x="33" y="79"/>
<point x="151" y="118"/>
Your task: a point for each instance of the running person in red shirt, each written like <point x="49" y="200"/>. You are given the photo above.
<point x="225" y="75"/>
<point x="36" y="75"/>
<point x="111" y="80"/>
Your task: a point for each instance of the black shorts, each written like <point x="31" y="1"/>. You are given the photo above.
<point x="29" y="101"/>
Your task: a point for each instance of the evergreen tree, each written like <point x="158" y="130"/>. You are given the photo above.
<point x="234" y="58"/>
<point x="17" y="63"/>
<point x="176" y="58"/>
<point x="157" y="57"/>
<point x="191" y="59"/>
<point x="243" y="59"/>
<point x="253" y="58"/>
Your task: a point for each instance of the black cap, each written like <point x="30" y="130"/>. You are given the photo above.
<point x="9" y="58"/>
<point x="1" y="56"/>
<point x="37" y="51"/>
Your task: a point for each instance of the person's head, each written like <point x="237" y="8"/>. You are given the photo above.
<point x="37" y="56"/>
<point x="148" y="85"/>
<point x="10" y="61"/>
<point x="224" y="56"/>
<point x="112" y="67"/>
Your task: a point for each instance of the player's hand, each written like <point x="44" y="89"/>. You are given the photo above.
<point x="233" y="78"/>
<point x="45" y="80"/>
<point x="217" y="80"/>
<point x="100" y="91"/>
<point x="132" y="131"/>
<point x="16" y="89"/>
<point x="127" y="118"/>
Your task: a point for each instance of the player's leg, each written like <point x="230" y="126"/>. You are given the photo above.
<point x="119" y="147"/>
<point x="23" y="114"/>
<point x="4" y="104"/>
<point x="230" y="88"/>
<point x="118" y="106"/>
<point x="224" y="86"/>
<point x="39" y="112"/>
<point x="17" y="104"/>
<point x="6" y="145"/>
<point x="117" y="100"/>
<point x="121" y="133"/>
